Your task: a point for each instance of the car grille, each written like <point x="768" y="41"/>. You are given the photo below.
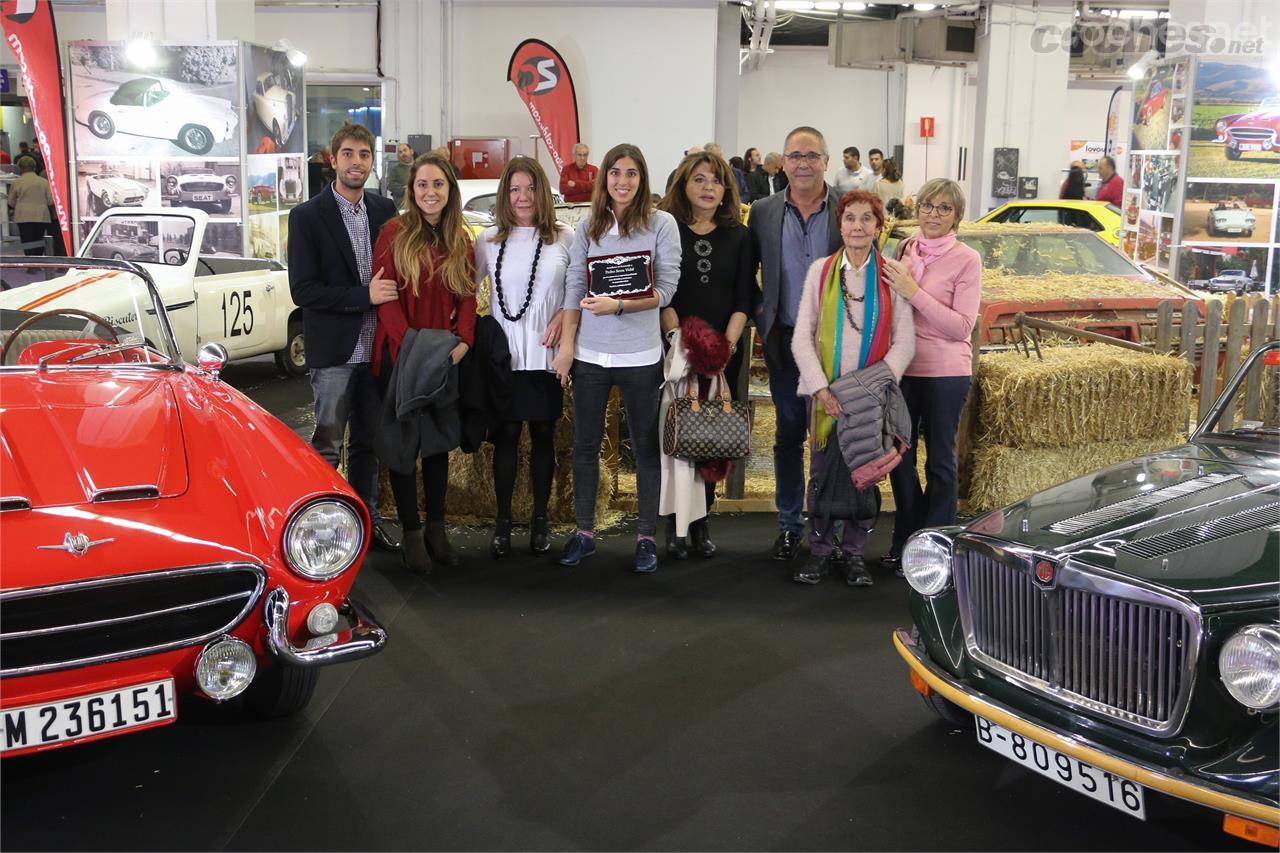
<point x="203" y="187"/>
<point x="1251" y="134"/>
<point x="1110" y="647"/>
<point x="68" y="625"/>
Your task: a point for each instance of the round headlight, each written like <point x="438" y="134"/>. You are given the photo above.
<point x="1249" y="665"/>
<point x="926" y="562"/>
<point x="225" y="668"/>
<point x="323" y="539"/>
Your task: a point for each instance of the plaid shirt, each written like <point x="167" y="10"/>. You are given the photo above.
<point x="356" y="219"/>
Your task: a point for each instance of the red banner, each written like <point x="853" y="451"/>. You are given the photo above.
<point x="542" y="80"/>
<point x="29" y="31"/>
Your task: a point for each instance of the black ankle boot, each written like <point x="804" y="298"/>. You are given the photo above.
<point x="500" y="545"/>
<point x="438" y="546"/>
<point x="677" y="549"/>
<point x="538" y="543"/>
<point x="414" y="553"/>
<point x="700" y="539"/>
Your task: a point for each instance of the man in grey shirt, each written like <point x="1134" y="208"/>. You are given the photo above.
<point x="794" y="229"/>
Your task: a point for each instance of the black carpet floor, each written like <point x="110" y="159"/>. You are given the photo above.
<point x="713" y="705"/>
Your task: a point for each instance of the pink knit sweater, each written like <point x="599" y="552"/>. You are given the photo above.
<point x="805" y="351"/>
<point x="946" y="307"/>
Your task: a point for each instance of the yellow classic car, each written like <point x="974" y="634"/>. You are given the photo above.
<point x="1099" y="216"/>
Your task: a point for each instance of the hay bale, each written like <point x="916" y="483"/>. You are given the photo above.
<point x="1002" y="475"/>
<point x="1080" y="395"/>
<point x="1002" y="285"/>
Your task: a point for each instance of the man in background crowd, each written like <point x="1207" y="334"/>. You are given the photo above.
<point x="1111" y="186"/>
<point x="768" y="179"/>
<point x="30" y="198"/>
<point x="578" y="177"/>
<point x="876" y="157"/>
<point x="398" y="174"/>
<point x="854" y="175"/>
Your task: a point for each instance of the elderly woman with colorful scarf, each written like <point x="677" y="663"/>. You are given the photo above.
<point x="942" y="279"/>
<point x="849" y="319"/>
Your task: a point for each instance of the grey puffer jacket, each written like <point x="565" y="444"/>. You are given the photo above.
<point x="420" y="411"/>
<point x="875" y="423"/>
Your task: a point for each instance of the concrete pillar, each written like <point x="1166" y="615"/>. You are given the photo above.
<point x="1022" y="84"/>
<point x="416" y="54"/>
<point x="180" y="21"/>
<point x="728" y="38"/>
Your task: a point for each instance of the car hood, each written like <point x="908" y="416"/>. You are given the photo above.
<point x="1202" y="519"/>
<point x="1233" y="215"/>
<point x="1262" y="118"/>
<point x="116" y="183"/>
<point x="203" y="103"/>
<point x="58" y="292"/>
<point x="69" y="436"/>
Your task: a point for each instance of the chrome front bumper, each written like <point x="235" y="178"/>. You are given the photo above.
<point x="1177" y="785"/>
<point x="365" y="635"/>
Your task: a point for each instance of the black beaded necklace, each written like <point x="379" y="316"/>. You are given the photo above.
<point x="528" y="293"/>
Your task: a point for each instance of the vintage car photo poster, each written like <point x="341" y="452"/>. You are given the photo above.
<point x="210" y="185"/>
<point x="1242" y="212"/>
<point x="1153" y="185"/>
<point x="264" y="236"/>
<point x="104" y="184"/>
<point x="290" y="184"/>
<point x="185" y="102"/>
<point x="262" y="186"/>
<point x="1226" y="269"/>
<point x="274" y="107"/>
<point x="284" y="238"/>
<point x="1152" y="105"/>
<point x="1235" y="122"/>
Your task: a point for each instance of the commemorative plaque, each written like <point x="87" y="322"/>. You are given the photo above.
<point x="628" y="275"/>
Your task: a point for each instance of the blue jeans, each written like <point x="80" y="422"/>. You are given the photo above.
<point x="935" y="404"/>
<point x="348" y="395"/>
<point x="791" y="425"/>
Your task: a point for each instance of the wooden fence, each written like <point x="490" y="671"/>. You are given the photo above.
<point x="1216" y="344"/>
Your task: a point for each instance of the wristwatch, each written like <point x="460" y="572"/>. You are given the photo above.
<point x="621" y="304"/>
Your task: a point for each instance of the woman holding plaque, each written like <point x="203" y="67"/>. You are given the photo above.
<point x="717" y="284"/>
<point x="525" y="256"/>
<point x="623" y="268"/>
<point x="428" y="252"/>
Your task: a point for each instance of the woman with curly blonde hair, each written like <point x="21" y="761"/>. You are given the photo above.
<point x="429" y="254"/>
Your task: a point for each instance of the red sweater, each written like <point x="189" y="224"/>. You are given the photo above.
<point x="583" y="180"/>
<point x="1112" y="190"/>
<point x="435" y="306"/>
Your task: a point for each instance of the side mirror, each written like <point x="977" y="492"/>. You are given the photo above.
<point x="212" y="358"/>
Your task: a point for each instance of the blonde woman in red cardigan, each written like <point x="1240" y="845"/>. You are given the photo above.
<point x="429" y="254"/>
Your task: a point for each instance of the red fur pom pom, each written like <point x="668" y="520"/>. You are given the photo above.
<point x="715" y="470"/>
<point x="706" y="350"/>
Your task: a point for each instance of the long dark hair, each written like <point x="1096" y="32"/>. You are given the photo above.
<point x="412" y="243"/>
<point x="637" y="214"/>
<point x="676" y="201"/>
<point x="1075" y="183"/>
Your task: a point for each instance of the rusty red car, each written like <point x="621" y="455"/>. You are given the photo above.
<point x="1258" y="130"/>
<point x="161" y="535"/>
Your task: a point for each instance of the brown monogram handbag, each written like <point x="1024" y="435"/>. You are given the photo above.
<point x="703" y="430"/>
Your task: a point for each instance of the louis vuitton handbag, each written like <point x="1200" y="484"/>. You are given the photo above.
<point x="703" y="430"/>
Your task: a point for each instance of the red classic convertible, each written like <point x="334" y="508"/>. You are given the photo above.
<point x="161" y="535"/>
<point x="1156" y="95"/>
<point x="1254" y="131"/>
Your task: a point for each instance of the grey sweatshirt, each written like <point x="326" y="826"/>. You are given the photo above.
<point x="634" y="331"/>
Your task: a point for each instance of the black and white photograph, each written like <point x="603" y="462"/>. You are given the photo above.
<point x="104" y="184"/>
<point x="273" y="102"/>
<point x="290" y="184"/>
<point x="223" y="240"/>
<point x="180" y="99"/>
<point x="210" y="185"/>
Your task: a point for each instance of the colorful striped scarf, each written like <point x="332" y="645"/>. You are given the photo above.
<point x="877" y="328"/>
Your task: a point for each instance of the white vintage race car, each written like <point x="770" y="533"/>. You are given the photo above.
<point x="276" y="107"/>
<point x="148" y="107"/>
<point x="243" y="304"/>
<point x="1235" y="221"/>
<point x="111" y="189"/>
<point x="201" y="188"/>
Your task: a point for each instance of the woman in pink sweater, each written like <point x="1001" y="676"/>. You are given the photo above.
<point x="942" y="278"/>
<point x="849" y="319"/>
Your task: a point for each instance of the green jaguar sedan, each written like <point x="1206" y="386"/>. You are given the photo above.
<point x="1120" y="633"/>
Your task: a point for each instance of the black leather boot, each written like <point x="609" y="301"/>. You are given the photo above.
<point x="677" y="549"/>
<point x="438" y="546"/>
<point x="538" y="543"/>
<point x="700" y="539"/>
<point x="500" y="545"/>
<point x="414" y="554"/>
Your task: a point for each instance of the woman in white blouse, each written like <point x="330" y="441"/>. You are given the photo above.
<point x="525" y="256"/>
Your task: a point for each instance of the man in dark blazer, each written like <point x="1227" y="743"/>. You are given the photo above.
<point x="331" y="238"/>
<point x="794" y="228"/>
<point x="768" y="179"/>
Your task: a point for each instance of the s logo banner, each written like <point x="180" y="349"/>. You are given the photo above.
<point x="543" y="82"/>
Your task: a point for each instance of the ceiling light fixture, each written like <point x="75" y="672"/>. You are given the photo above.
<point x="1139" y="69"/>
<point x="141" y="53"/>
<point x="296" y="57"/>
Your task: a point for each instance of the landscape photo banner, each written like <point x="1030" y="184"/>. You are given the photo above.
<point x="30" y="34"/>
<point x="543" y="82"/>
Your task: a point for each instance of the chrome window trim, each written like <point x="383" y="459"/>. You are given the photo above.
<point x="260" y="581"/>
<point x="1073" y="575"/>
<point x="13" y="503"/>
<point x="125" y="493"/>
